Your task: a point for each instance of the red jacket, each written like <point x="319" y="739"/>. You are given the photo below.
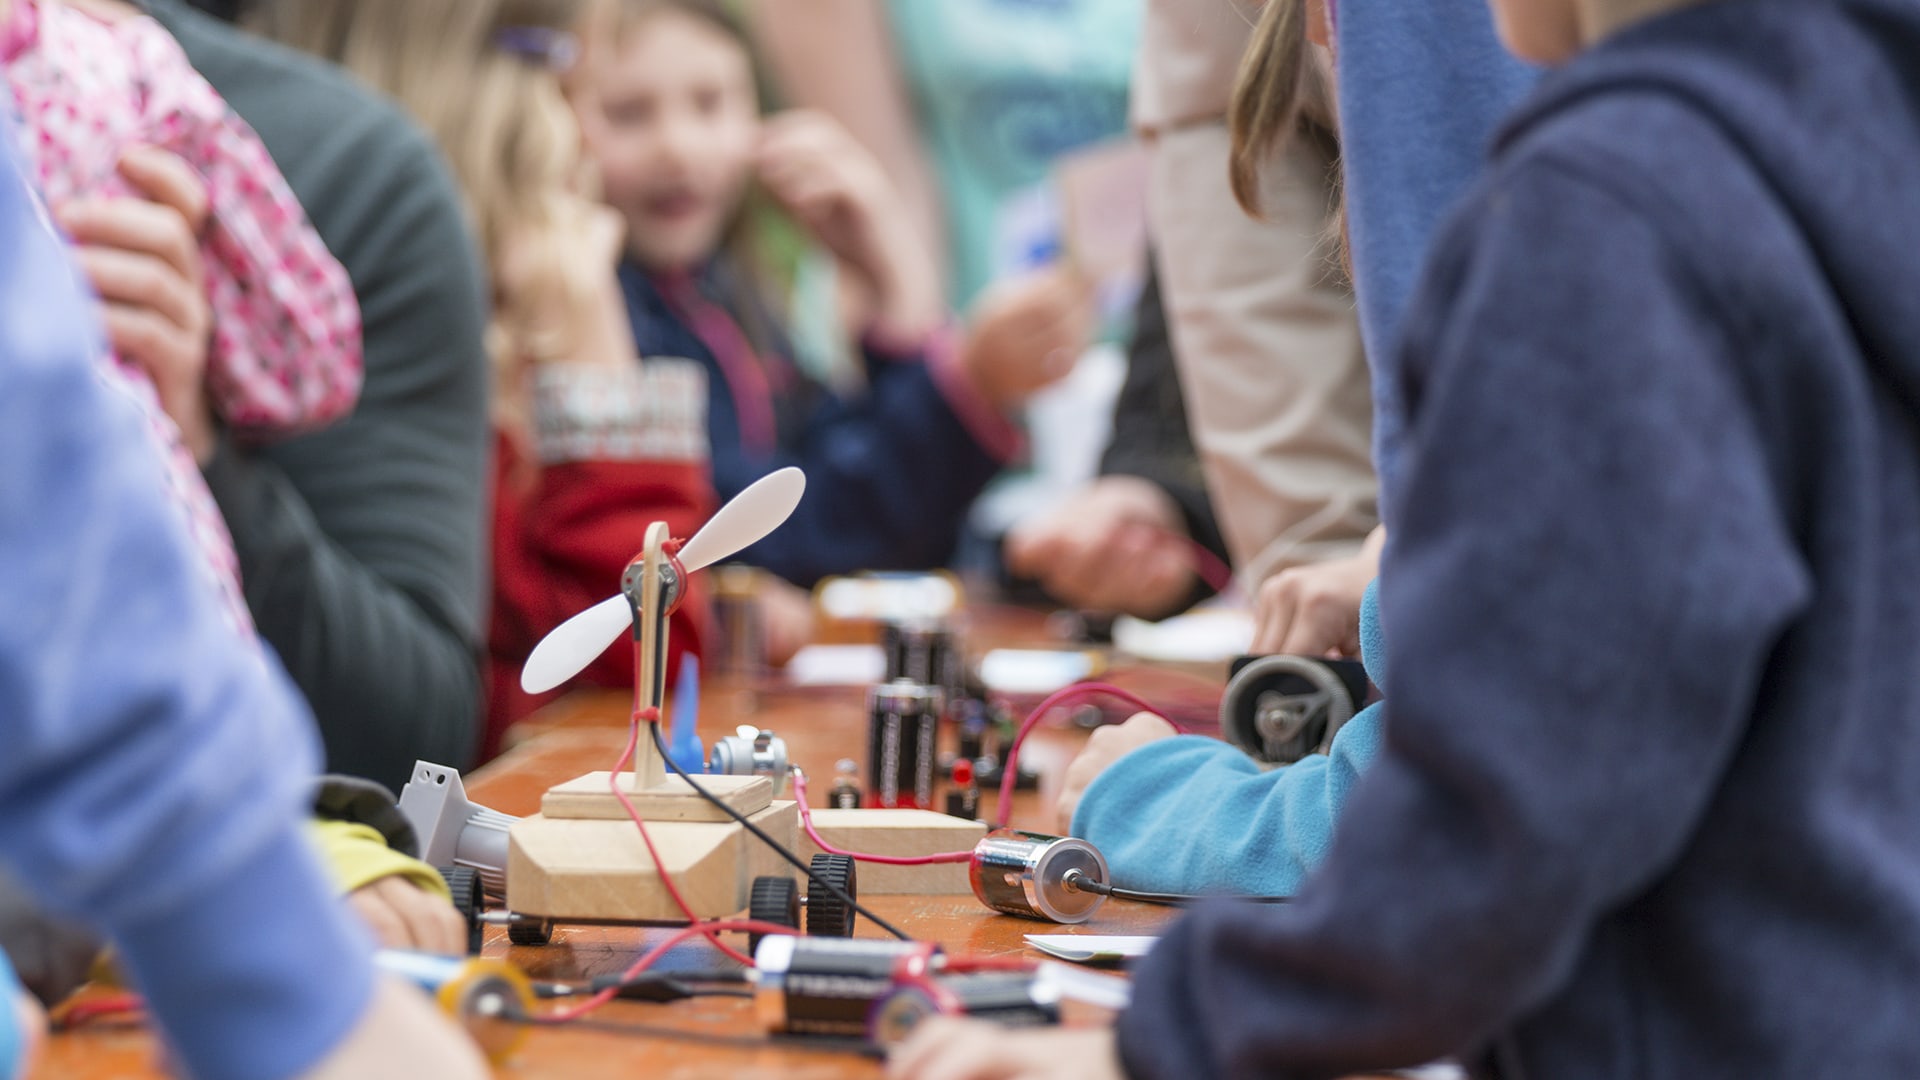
<point x="621" y="450"/>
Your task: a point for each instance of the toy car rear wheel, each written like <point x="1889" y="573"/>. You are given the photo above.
<point x="774" y="900"/>
<point x="464" y="883"/>
<point x="530" y="930"/>
<point x="827" y="914"/>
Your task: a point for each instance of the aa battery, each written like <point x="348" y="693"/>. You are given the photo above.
<point x="824" y="986"/>
<point x="1014" y="998"/>
<point x="1025" y="874"/>
<point x="926" y="653"/>
<point x="737" y="613"/>
<point x="904" y="724"/>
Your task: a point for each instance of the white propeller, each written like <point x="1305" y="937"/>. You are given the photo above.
<point x="752" y="514"/>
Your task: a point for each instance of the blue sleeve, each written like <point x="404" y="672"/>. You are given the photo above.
<point x="156" y="767"/>
<point x="12" y="1039"/>
<point x="890" y="477"/>
<point x="1196" y="815"/>
<point x="1422" y="88"/>
<point x="1545" y="757"/>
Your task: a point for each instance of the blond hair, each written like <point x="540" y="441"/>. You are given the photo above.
<point x="504" y="124"/>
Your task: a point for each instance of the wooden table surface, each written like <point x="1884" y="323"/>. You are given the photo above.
<point x="586" y="732"/>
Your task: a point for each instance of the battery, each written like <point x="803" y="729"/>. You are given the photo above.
<point x="1014" y="998"/>
<point x="904" y="722"/>
<point x="927" y="653"/>
<point x="824" y="986"/>
<point x="736" y="611"/>
<point x="1025" y="874"/>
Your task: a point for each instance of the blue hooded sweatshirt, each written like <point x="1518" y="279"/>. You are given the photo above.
<point x="1647" y="799"/>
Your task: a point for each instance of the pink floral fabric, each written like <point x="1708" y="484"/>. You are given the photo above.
<point x="284" y="354"/>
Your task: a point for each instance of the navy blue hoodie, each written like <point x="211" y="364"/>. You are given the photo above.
<point x="1649" y="800"/>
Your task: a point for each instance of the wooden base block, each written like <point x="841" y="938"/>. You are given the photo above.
<point x="899" y="832"/>
<point x="585" y="868"/>
<point x="671" y="800"/>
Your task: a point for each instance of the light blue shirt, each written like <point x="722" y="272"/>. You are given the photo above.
<point x="156" y="769"/>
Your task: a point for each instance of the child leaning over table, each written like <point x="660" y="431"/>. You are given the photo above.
<point x="1645" y="802"/>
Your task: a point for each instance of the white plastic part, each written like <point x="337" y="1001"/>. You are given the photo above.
<point x="752" y="514"/>
<point x="755" y="512"/>
<point x="452" y="829"/>
<point x="573" y="644"/>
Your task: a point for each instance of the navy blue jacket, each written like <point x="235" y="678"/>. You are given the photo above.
<point x="1649" y="801"/>
<point x="890" y="472"/>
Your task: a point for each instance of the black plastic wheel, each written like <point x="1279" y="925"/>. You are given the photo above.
<point x="827" y="914"/>
<point x="464" y="883"/>
<point x="773" y="900"/>
<point x="528" y="930"/>
<point x="1281" y="708"/>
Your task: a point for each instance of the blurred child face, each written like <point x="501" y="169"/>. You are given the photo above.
<point x="673" y="123"/>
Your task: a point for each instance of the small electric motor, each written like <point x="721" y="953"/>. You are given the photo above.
<point x="751" y="752"/>
<point x="1279" y="709"/>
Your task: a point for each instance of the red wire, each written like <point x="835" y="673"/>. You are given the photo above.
<point x="806" y="822"/>
<point x="1066" y="696"/>
<point x="1077" y="692"/>
<point x="647" y="959"/>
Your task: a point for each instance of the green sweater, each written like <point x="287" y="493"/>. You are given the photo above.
<point x="362" y="547"/>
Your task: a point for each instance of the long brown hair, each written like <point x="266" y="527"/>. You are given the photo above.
<point x="505" y="126"/>
<point x="1279" y="93"/>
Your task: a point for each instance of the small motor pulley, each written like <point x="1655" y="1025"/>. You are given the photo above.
<point x="1279" y="709"/>
<point x="751" y="751"/>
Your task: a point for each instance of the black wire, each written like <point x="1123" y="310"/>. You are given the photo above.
<point x="1101" y="888"/>
<point x="779" y="849"/>
<point x="810" y="1044"/>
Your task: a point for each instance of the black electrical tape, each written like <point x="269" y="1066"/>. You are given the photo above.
<point x="663" y="986"/>
<point x="809" y="1043"/>
<point x="778" y="848"/>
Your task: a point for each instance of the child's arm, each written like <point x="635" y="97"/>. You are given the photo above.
<point x="284" y="355"/>
<point x="155" y="771"/>
<point x="1196" y="815"/>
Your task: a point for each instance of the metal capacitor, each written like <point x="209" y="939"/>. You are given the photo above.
<point x="824" y="986"/>
<point x="904" y="726"/>
<point x="1025" y="874"/>
<point x="491" y="999"/>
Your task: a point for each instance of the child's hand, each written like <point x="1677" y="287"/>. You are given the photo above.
<point x="1315" y="610"/>
<point x="837" y="190"/>
<point x="401" y="1036"/>
<point x="403" y="916"/>
<point x="30" y="1027"/>
<point x="1104" y="747"/>
<point x="1028" y="332"/>
<point x="143" y="257"/>
<point x="786" y="611"/>
<point x="1116" y="545"/>
<point x="947" y="1049"/>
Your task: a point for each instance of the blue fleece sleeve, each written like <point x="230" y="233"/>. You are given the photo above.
<point x="12" y="1039"/>
<point x="156" y="766"/>
<point x="1588" y="498"/>
<point x="1195" y="815"/>
<point x="890" y="475"/>
<point x="1422" y="87"/>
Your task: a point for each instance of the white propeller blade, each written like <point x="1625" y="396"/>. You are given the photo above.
<point x="573" y="644"/>
<point x="752" y="514"/>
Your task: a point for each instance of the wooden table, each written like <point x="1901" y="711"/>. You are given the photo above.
<point x="586" y="732"/>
